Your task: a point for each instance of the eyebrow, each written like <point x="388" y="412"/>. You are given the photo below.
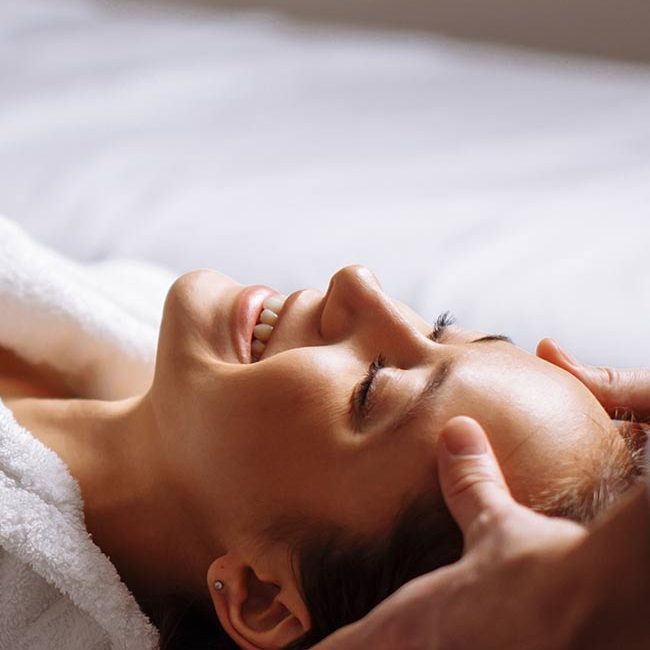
<point x="493" y="337"/>
<point x="434" y="384"/>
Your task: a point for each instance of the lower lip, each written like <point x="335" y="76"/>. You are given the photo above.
<point x="246" y="310"/>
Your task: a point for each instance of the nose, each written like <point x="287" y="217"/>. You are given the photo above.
<point x="356" y="306"/>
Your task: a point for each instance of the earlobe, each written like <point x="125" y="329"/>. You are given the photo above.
<point x="258" y="612"/>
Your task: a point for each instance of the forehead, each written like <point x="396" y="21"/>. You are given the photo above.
<point x="528" y="382"/>
<point x="545" y="408"/>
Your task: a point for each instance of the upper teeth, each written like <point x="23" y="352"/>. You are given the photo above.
<point x="264" y="328"/>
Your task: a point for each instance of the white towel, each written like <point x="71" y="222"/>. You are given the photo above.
<point x="99" y="325"/>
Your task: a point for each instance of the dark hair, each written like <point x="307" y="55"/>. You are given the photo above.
<point x="343" y="575"/>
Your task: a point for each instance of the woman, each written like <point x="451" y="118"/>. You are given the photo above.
<point x="280" y="479"/>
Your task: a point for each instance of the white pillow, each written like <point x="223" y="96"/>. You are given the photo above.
<point x="509" y="187"/>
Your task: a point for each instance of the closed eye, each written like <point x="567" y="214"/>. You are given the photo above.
<point x="442" y="323"/>
<point x="447" y="318"/>
<point x="362" y="400"/>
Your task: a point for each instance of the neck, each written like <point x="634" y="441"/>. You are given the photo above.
<point x="132" y="508"/>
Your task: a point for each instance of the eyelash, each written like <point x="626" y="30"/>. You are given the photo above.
<point x="364" y="389"/>
<point x="442" y="323"/>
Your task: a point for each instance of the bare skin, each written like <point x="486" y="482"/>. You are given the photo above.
<point x="525" y="581"/>
<point x="218" y="449"/>
<point x="18" y="378"/>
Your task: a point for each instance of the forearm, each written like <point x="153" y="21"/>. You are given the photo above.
<point x="609" y="573"/>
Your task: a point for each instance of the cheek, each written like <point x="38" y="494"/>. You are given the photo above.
<point x="385" y="474"/>
<point x="289" y="456"/>
<point x="278" y="415"/>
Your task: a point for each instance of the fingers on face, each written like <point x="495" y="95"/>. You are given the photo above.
<point x="550" y="351"/>
<point x="618" y="390"/>
<point x="595" y="379"/>
<point x="472" y="483"/>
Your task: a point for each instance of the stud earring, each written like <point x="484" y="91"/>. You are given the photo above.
<point x="218" y="585"/>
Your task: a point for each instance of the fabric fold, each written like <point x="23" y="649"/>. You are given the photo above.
<point x="98" y="325"/>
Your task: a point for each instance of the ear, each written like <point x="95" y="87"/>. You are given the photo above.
<point x="259" y="612"/>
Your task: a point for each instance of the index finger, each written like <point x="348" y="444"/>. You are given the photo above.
<point x="617" y="389"/>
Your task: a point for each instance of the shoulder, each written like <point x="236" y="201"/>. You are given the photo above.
<point x="19" y="378"/>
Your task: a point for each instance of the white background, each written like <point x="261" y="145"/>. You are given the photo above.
<point x="511" y="188"/>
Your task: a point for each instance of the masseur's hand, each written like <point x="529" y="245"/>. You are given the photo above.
<point x="509" y="591"/>
<point x="618" y="390"/>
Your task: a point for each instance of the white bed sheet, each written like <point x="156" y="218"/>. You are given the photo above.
<point x="511" y="188"/>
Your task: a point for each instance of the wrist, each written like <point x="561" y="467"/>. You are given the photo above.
<point x="605" y="580"/>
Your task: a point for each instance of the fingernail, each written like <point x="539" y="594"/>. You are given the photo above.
<point x="564" y="354"/>
<point x="464" y="437"/>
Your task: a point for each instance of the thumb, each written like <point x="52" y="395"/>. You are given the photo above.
<point x="470" y="476"/>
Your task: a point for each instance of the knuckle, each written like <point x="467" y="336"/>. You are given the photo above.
<point x="486" y="528"/>
<point x="469" y="476"/>
<point x="610" y="385"/>
<point x="467" y="481"/>
<point x="601" y="381"/>
<point x="491" y="517"/>
<point x="610" y="378"/>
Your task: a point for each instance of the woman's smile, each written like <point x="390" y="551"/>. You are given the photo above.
<point x="266" y="323"/>
<point x="245" y="314"/>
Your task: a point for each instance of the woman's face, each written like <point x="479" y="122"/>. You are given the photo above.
<point x="286" y="434"/>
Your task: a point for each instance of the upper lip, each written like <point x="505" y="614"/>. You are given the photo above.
<point x="244" y="315"/>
